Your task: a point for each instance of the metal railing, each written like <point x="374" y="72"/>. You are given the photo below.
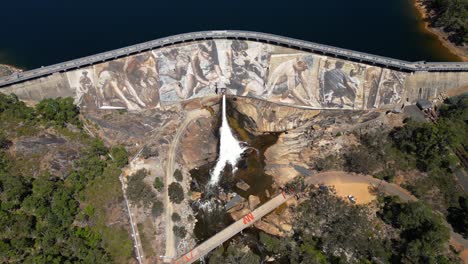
<point x="235" y="34"/>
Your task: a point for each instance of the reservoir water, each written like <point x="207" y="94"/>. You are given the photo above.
<point x="35" y="33"/>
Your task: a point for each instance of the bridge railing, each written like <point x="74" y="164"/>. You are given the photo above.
<point x="248" y="35"/>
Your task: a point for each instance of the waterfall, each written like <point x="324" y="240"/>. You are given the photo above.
<point x="230" y="149"/>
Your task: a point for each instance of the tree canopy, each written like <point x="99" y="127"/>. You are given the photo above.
<point x="176" y="193"/>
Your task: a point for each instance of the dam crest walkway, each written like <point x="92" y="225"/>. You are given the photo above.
<point x="312" y="47"/>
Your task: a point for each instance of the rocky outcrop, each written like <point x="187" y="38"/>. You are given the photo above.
<point x="199" y="145"/>
<point x="254" y="201"/>
<point x="259" y="116"/>
<point x="130" y="129"/>
<point x="278" y="223"/>
<point x="48" y="151"/>
<point x="242" y="185"/>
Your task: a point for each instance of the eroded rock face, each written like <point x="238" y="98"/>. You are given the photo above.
<point x="48" y="151"/>
<point x="199" y="144"/>
<point x="278" y="223"/>
<point x="129" y="128"/>
<point x="254" y="201"/>
<point x="258" y="116"/>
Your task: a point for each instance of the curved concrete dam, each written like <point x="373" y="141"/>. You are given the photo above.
<point x="273" y="68"/>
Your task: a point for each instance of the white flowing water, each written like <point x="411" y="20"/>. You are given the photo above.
<point x="230" y="149"/>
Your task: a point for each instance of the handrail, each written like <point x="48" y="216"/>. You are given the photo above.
<point x="237" y="34"/>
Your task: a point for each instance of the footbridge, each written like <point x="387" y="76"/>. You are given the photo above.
<point x="230" y="231"/>
<point x="241" y="35"/>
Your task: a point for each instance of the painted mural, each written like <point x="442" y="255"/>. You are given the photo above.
<point x="244" y="68"/>
<point x="130" y="83"/>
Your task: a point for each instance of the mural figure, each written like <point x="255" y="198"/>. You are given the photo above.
<point x="371" y="86"/>
<point x="189" y="75"/>
<point x="114" y="88"/>
<point x="392" y="88"/>
<point x="82" y="82"/>
<point x="85" y="86"/>
<point x="141" y="74"/>
<point x="285" y="79"/>
<point x="339" y="85"/>
<point x="204" y="70"/>
<point x="247" y="69"/>
<point x="171" y="70"/>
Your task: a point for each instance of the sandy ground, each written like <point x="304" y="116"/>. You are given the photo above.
<point x="464" y="256"/>
<point x="346" y="184"/>
<point x="358" y="186"/>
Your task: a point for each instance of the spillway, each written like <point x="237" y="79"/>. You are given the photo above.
<point x="230" y="149"/>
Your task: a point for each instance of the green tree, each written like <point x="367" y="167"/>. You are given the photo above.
<point x="175" y="217"/>
<point x="158" y="184"/>
<point x="59" y="111"/>
<point x="15" y="188"/>
<point x="423" y="233"/>
<point x="176" y="193"/>
<point x="157" y="208"/>
<point x="236" y="253"/>
<point x="12" y="107"/>
<point x="271" y="243"/>
<point x="179" y="231"/>
<point x="4" y="142"/>
<point x="178" y="175"/>
<point x="120" y="155"/>
<point x="137" y="190"/>
<point x="458" y="216"/>
<point x="97" y="148"/>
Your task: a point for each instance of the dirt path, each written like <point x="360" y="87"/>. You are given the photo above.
<point x="170" y="168"/>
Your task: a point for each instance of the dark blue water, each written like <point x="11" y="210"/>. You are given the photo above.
<point x="35" y="33"/>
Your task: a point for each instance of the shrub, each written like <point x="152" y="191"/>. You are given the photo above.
<point x="179" y="231"/>
<point x="360" y="160"/>
<point x="158" y="184"/>
<point x="176" y="217"/>
<point x="157" y="208"/>
<point x="331" y="162"/>
<point x="120" y="156"/>
<point x="59" y="111"/>
<point x="4" y="142"/>
<point x="147" y="152"/>
<point x="272" y="244"/>
<point x="386" y="174"/>
<point x="137" y="189"/>
<point x="176" y="193"/>
<point x="178" y="175"/>
<point x="98" y="148"/>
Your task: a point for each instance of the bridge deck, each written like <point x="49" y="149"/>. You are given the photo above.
<point x="230" y="231"/>
<point x="234" y="34"/>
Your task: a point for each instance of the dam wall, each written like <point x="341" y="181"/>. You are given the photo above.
<point x="284" y="74"/>
<point x="429" y="85"/>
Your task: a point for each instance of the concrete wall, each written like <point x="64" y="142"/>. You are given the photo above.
<point x="428" y="85"/>
<point x="273" y="73"/>
<point x="52" y="86"/>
